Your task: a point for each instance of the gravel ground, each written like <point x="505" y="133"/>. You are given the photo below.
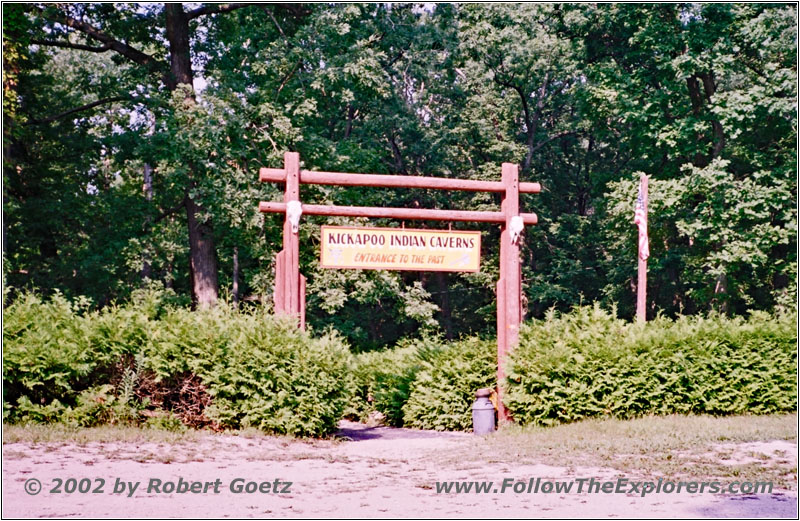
<point x="370" y="472"/>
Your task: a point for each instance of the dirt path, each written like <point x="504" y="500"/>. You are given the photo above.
<point x="378" y="472"/>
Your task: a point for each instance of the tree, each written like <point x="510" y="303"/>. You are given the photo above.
<point x="126" y="31"/>
<point x="118" y="171"/>
<point x="677" y="87"/>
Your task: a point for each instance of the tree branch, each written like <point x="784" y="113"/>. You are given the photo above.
<point x="507" y="84"/>
<point x="393" y="60"/>
<point x="288" y="76"/>
<point x="169" y="211"/>
<point x="297" y="10"/>
<point x="88" y="106"/>
<point x="113" y="44"/>
<point x="532" y="121"/>
<point x="215" y="8"/>
<point x="553" y="138"/>
<point x="275" y="21"/>
<point x="70" y="45"/>
<point x="398" y="157"/>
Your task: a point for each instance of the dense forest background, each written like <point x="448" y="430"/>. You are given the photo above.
<point x="133" y="135"/>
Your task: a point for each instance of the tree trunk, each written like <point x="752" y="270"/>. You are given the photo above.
<point x="202" y="258"/>
<point x="147" y="188"/>
<point x="202" y="254"/>
<point x="710" y="87"/>
<point x="180" y="61"/>
<point x="169" y="276"/>
<point x="721" y="293"/>
<point x="699" y="98"/>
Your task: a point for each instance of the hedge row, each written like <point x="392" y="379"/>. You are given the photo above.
<point x="149" y="359"/>
<point x="587" y="363"/>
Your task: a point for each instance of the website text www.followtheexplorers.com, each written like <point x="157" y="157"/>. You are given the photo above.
<point x="596" y="486"/>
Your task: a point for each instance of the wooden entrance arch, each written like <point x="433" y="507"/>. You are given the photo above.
<point x="290" y="284"/>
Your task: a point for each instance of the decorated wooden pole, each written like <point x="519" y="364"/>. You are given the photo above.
<point x="289" y="299"/>
<point x="312" y="177"/>
<point x="509" y="297"/>
<point x="640" y="220"/>
<point x="398" y="213"/>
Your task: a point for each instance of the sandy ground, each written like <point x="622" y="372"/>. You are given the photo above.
<point x="375" y="472"/>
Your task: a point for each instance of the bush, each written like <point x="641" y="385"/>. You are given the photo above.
<point x="381" y="381"/>
<point x="587" y="363"/>
<point x="277" y="379"/>
<point x="63" y="363"/>
<point x="150" y="362"/>
<point x="442" y="394"/>
<point x="47" y="352"/>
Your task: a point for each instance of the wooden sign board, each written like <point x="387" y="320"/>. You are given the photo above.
<point x="400" y="249"/>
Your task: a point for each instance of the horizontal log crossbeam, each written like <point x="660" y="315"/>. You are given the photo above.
<point x="397" y="213"/>
<point x="278" y="175"/>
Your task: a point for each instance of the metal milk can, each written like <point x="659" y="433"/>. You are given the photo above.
<point x="483" y="413"/>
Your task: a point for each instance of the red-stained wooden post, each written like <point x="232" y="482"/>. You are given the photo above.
<point x="280" y="282"/>
<point x="302" y="297"/>
<point x="291" y="241"/>
<point x="509" y="286"/>
<point x="502" y="414"/>
<point x="288" y="286"/>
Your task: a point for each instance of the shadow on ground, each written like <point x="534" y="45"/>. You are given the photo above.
<point x="361" y="432"/>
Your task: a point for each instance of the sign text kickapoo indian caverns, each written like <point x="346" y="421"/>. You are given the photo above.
<point x="400" y="249"/>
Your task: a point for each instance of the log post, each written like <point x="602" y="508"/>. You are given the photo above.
<point x="290" y="286"/>
<point x="509" y="286"/>
<point x="502" y="414"/>
<point x="641" y="287"/>
<point x="291" y="241"/>
<point x="280" y="286"/>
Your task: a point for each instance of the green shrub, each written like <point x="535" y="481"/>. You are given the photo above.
<point x="588" y="363"/>
<point x="62" y="363"/>
<point x="279" y="380"/>
<point x="47" y="354"/>
<point x="100" y="406"/>
<point x="152" y="362"/>
<point x="165" y="421"/>
<point x="34" y="412"/>
<point x="443" y="391"/>
<point x="381" y="381"/>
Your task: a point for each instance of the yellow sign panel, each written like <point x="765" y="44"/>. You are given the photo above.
<point x="400" y="249"/>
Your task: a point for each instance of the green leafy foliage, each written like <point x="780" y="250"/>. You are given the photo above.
<point x="47" y="351"/>
<point x="381" y="381"/>
<point x="278" y="380"/>
<point x="699" y="96"/>
<point x="87" y="368"/>
<point x="102" y="405"/>
<point x="443" y="391"/>
<point x="425" y="384"/>
<point x="588" y="363"/>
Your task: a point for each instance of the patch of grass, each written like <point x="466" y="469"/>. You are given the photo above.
<point x="655" y="446"/>
<point x="59" y="432"/>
